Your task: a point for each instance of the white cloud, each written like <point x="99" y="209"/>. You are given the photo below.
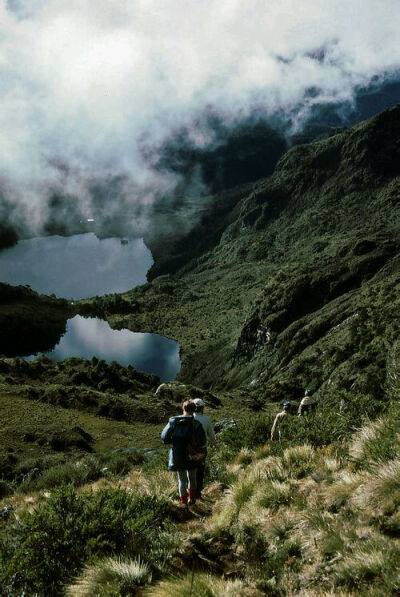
<point x="82" y="82"/>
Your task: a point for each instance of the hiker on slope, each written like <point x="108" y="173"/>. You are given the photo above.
<point x="305" y="404"/>
<point x="208" y="427"/>
<point x="280" y="421"/>
<point x="185" y="434"/>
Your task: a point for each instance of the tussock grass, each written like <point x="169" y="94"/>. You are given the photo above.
<point x="338" y="494"/>
<point x="276" y="494"/>
<point x="262" y="452"/>
<point x="113" y="576"/>
<point x="271" y="468"/>
<point x="245" y="456"/>
<point x="202" y="585"/>
<point x="374" y="560"/>
<point x="299" y="460"/>
<point x="381" y="490"/>
<point x="294" y="517"/>
<point x="376" y="443"/>
<point x="242" y="491"/>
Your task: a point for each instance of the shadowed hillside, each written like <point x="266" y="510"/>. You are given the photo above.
<point x="292" y="282"/>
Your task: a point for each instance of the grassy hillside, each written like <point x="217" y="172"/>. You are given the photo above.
<point x="290" y="283"/>
<point x="316" y="513"/>
<point x="293" y="283"/>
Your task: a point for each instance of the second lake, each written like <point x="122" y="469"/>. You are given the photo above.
<point x="87" y="337"/>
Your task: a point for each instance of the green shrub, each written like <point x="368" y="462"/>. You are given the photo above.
<point x="333" y="420"/>
<point x="249" y="432"/>
<point x="51" y="545"/>
<point x="120" y="463"/>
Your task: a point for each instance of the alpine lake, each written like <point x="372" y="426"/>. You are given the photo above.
<point x="82" y="266"/>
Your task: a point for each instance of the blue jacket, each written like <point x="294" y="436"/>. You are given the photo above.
<point x="178" y="432"/>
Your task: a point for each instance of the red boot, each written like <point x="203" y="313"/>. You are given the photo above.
<point x="183" y="501"/>
<point x="192" y="496"/>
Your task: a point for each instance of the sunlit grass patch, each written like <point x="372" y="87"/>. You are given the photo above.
<point x="376" y="443"/>
<point x="375" y="560"/>
<point x="201" y="585"/>
<point x="113" y="576"/>
<point x="244" y="456"/>
<point x="299" y="460"/>
<point x="275" y="495"/>
<point x="262" y="452"/>
<point x="338" y="493"/>
<point x="271" y="468"/>
<point x="242" y="491"/>
<point x="381" y="489"/>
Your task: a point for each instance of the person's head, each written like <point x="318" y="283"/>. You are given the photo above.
<point x="286" y="405"/>
<point x="199" y="403"/>
<point x="188" y="407"/>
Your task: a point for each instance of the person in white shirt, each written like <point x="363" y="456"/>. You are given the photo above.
<point x="208" y="427"/>
<point x="305" y="404"/>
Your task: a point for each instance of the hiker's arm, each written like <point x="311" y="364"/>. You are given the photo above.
<point x="166" y="434"/>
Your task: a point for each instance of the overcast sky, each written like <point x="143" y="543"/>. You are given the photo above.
<point x="85" y="83"/>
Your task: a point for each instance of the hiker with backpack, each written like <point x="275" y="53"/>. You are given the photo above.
<point x="210" y="440"/>
<point x="280" y="420"/>
<point x="305" y="405"/>
<point x="188" y="441"/>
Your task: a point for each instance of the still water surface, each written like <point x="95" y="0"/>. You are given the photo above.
<point x="77" y="266"/>
<point x="88" y="336"/>
<point x="82" y="266"/>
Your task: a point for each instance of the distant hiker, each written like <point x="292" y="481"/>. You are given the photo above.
<point x="210" y="440"/>
<point x="188" y="440"/>
<point x="276" y="431"/>
<point x="305" y="404"/>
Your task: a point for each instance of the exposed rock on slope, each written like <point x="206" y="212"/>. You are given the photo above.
<point x="295" y="281"/>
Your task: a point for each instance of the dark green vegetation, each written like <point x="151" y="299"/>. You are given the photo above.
<point x="287" y="284"/>
<point x="106" y="389"/>
<point x="293" y="283"/>
<point x="30" y="322"/>
<point x="50" y="546"/>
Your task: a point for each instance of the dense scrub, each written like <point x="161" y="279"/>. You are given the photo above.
<point x="46" y="548"/>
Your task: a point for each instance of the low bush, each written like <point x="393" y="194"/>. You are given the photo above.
<point x="249" y="432"/>
<point x="47" y="548"/>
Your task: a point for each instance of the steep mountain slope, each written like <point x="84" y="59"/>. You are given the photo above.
<point x="294" y="281"/>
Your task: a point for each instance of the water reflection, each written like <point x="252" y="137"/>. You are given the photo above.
<point x="77" y="266"/>
<point x="88" y="337"/>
